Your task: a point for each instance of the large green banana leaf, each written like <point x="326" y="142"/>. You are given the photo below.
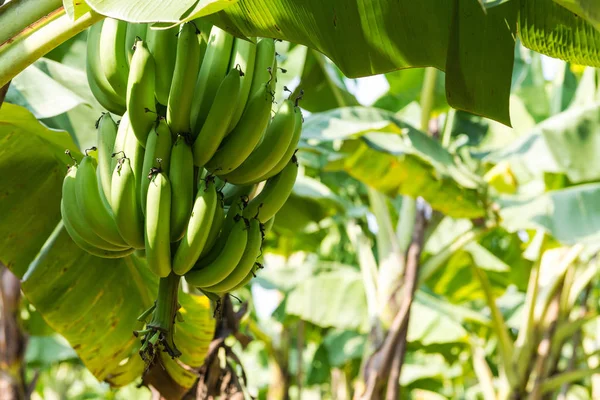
<point x="92" y="302"/>
<point x="588" y="9"/>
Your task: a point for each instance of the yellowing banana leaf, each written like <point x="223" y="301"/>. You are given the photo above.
<point x="395" y="158"/>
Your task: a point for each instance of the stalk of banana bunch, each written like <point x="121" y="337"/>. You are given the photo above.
<point x="175" y="181"/>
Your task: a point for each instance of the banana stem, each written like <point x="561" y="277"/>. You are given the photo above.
<point x="17" y="15"/>
<point x="163" y="318"/>
<point x="38" y="39"/>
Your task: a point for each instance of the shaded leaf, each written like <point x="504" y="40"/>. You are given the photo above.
<point x="43" y="351"/>
<point x="343" y="346"/>
<point x="32" y="167"/>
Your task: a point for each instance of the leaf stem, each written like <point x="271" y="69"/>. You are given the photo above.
<point x="427" y="97"/>
<point x="17" y="15"/>
<point x="38" y="39"/>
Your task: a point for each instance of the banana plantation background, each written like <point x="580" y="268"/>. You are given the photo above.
<point x="425" y="253"/>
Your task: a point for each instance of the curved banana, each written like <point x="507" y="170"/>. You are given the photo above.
<point x="141" y="106"/>
<point x="124" y="203"/>
<point x="157" y="235"/>
<point x="215" y="226"/>
<point x="113" y="55"/>
<point x="134" y="31"/>
<point x="163" y="46"/>
<point x="213" y="70"/>
<point x="132" y="149"/>
<point x="274" y="194"/>
<point x="213" y="131"/>
<point x="288" y="153"/>
<point x="187" y="65"/>
<point x="243" y="57"/>
<point x="156" y="156"/>
<point x="246" y="263"/>
<point x="213" y="272"/>
<point x="70" y="211"/>
<point x="198" y="228"/>
<point x="244" y="137"/>
<point x="101" y="88"/>
<point x="107" y="134"/>
<point x="264" y="68"/>
<point x="273" y="147"/>
<point x="95" y="251"/>
<point x="95" y="211"/>
<point x="181" y="175"/>
<point x="248" y="278"/>
<point x="122" y="129"/>
<point x="233" y="192"/>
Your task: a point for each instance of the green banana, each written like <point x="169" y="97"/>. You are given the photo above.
<point x="96" y="212"/>
<point x="101" y="88"/>
<point x="251" y="253"/>
<point x="157" y="235"/>
<point x="113" y="55"/>
<point x="244" y="137"/>
<point x="124" y="203"/>
<point x="163" y="46"/>
<point x="122" y="129"/>
<point x="181" y="175"/>
<point x="232" y="192"/>
<point x="267" y="226"/>
<point x="141" y="105"/>
<point x="132" y="149"/>
<point x="198" y="228"/>
<point x="187" y="65"/>
<point x="215" y="226"/>
<point x="95" y="251"/>
<point x="248" y="278"/>
<point x="134" y="31"/>
<point x="291" y="150"/>
<point x="70" y="211"/>
<point x="243" y="56"/>
<point x="274" y="194"/>
<point x="213" y="272"/>
<point x="274" y="145"/>
<point x="265" y="67"/>
<point x="212" y="133"/>
<point x="213" y="70"/>
<point x="156" y="156"/>
<point x="107" y="134"/>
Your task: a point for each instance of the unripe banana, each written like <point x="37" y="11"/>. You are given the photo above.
<point x="243" y="57"/>
<point x="124" y="203"/>
<point x="133" y="150"/>
<point x="221" y="111"/>
<point x="187" y="65"/>
<point x="246" y="135"/>
<point x="107" y="134"/>
<point x="113" y="55"/>
<point x="267" y="226"/>
<point x="272" y="148"/>
<point x="97" y="214"/>
<point x="70" y="211"/>
<point x="213" y="70"/>
<point x="134" y="31"/>
<point x="157" y="235"/>
<point x="141" y="106"/>
<point x="122" y="130"/>
<point x="264" y="68"/>
<point x="274" y="194"/>
<point x="233" y="192"/>
<point x="95" y="251"/>
<point x="246" y="263"/>
<point x="248" y="277"/>
<point x="198" y="228"/>
<point x="204" y="275"/>
<point x="289" y="152"/>
<point x="163" y="46"/>
<point x="101" y="88"/>
<point x="215" y="226"/>
<point x="181" y="175"/>
<point x="156" y="156"/>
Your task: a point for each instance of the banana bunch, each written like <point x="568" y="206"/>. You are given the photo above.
<point x="193" y="174"/>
